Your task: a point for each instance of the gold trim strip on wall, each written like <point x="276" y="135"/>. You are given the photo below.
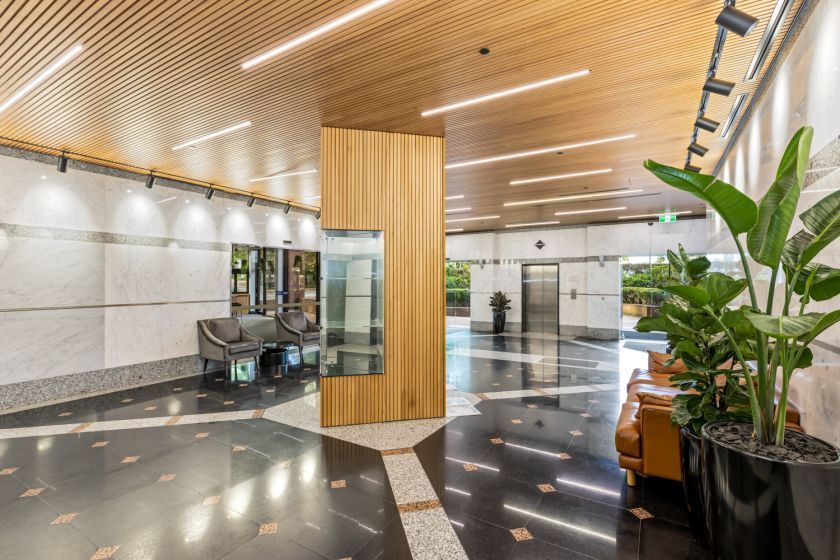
<point x="103" y="306"/>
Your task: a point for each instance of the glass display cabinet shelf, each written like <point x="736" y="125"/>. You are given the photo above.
<point x="352" y="302"/>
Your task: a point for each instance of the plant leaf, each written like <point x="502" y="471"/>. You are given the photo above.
<point x="777" y="207"/>
<point x="691" y="294"/>
<point x="826" y="284"/>
<point x="782" y="326"/>
<point x="823" y="220"/>
<point x="795" y="246"/>
<point x="825" y="321"/>
<point x="721" y="288"/>
<point x="651" y="324"/>
<point x="805" y="360"/>
<point x="735" y="208"/>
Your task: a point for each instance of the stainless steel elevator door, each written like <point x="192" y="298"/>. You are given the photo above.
<point x="540" y="296"/>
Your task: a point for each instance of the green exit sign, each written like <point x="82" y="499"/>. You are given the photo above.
<point x="667" y="218"/>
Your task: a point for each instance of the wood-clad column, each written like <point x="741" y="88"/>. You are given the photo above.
<point x="395" y="183"/>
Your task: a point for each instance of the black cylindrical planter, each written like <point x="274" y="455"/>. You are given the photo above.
<point x="692" y="483"/>
<point x="769" y="509"/>
<point x="498" y="322"/>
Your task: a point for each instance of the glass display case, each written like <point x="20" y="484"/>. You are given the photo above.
<point x="352" y="302"/>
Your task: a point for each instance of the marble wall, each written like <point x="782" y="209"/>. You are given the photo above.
<point x="803" y="92"/>
<point x="589" y="268"/>
<point x="99" y="273"/>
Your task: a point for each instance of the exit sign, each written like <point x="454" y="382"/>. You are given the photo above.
<point x="667" y="218"/>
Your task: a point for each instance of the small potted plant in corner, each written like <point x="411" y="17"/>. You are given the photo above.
<point x="710" y="386"/>
<point x="770" y="492"/>
<point x="499" y="303"/>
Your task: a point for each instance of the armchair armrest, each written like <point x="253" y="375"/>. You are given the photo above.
<point x="245" y="335"/>
<point x="289" y="329"/>
<point x="210" y="337"/>
<point x="312" y="327"/>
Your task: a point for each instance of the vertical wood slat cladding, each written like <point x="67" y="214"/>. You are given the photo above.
<point x="395" y="183"/>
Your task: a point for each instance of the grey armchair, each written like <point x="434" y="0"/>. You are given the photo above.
<point x="225" y="340"/>
<point x="295" y="327"/>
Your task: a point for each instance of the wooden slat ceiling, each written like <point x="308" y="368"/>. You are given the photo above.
<point x="156" y="73"/>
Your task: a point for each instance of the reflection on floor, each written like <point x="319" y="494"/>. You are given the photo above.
<point x="533" y="476"/>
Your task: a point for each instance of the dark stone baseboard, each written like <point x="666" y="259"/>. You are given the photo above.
<point x="38" y="392"/>
<point x="487" y="326"/>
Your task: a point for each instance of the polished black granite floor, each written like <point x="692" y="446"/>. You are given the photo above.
<point x="260" y="489"/>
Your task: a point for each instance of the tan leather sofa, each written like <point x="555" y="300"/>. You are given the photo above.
<point x="646" y="440"/>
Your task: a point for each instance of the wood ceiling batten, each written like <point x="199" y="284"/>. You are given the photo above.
<point x="158" y="72"/>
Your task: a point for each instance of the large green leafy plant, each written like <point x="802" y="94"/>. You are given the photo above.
<point x="711" y="389"/>
<point x="780" y="343"/>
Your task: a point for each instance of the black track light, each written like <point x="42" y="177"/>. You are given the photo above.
<point x="251" y="201"/>
<point x="706" y="124"/>
<point x="150" y="181"/>
<point x="210" y="192"/>
<point x="62" y="163"/>
<point x="692" y="168"/>
<point x="318" y="215"/>
<point x="697" y="149"/>
<point x="720" y="87"/>
<point x="736" y="21"/>
<point x="287" y="208"/>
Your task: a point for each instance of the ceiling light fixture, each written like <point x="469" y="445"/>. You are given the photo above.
<point x="210" y="192"/>
<point x="733" y="113"/>
<point x="559" y="177"/>
<point x="720" y="87"/>
<point x="505" y="93"/>
<point x="736" y="21"/>
<point x="212" y="135"/>
<point x="573" y="197"/>
<point x="317" y="32"/>
<point x="281" y="175"/>
<point x="287" y="209"/>
<point x="473" y="219"/>
<point x="456" y="210"/>
<point x="38" y="79"/>
<point x="697" y="149"/>
<point x="455" y="197"/>
<point x="62" y="163"/>
<point x="540" y="151"/>
<point x="531" y="224"/>
<point x="150" y="181"/>
<point x="768" y="38"/>
<point x="655" y="215"/>
<point x="251" y="201"/>
<point x="456" y="230"/>
<point x="706" y="123"/>
<point x="574" y="212"/>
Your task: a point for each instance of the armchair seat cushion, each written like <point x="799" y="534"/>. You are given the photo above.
<point x="310" y="336"/>
<point x="242" y="347"/>
<point x="226" y="330"/>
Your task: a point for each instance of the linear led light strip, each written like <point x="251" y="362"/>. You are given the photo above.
<point x="504" y="93"/>
<point x="473" y="219"/>
<point x="559" y="177"/>
<point x="317" y="32"/>
<point x="455" y="197"/>
<point x="531" y="224"/>
<point x="733" y="113"/>
<point x="765" y="44"/>
<point x="573" y="197"/>
<point x="572" y="212"/>
<point x="212" y="135"/>
<point x="46" y="73"/>
<point x="281" y="175"/>
<point x="655" y="214"/>
<point x="517" y="155"/>
<point x="456" y="230"/>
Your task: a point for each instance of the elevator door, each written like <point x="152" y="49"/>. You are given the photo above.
<point x="540" y="297"/>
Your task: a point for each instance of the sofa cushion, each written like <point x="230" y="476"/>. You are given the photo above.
<point x="634" y="390"/>
<point x="242" y="347"/>
<point x="628" y="436"/>
<point x="649" y="378"/>
<point x="657" y="398"/>
<point x="295" y="319"/>
<point x="656" y="363"/>
<point x="226" y="330"/>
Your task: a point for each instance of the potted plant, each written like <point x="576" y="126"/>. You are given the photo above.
<point x="710" y="386"/>
<point x="770" y="492"/>
<point x="499" y="303"/>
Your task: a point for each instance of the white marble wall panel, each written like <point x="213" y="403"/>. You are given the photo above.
<point x="146" y="333"/>
<point x="603" y="312"/>
<point x="470" y="247"/>
<point x="603" y="277"/>
<point x="39" y="344"/>
<point x="49" y="273"/>
<point x="573" y="276"/>
<point x="573" y="311"/>
<point x="142" y="274"/>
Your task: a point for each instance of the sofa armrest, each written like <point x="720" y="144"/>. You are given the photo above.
<point x="660" y="442"/>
